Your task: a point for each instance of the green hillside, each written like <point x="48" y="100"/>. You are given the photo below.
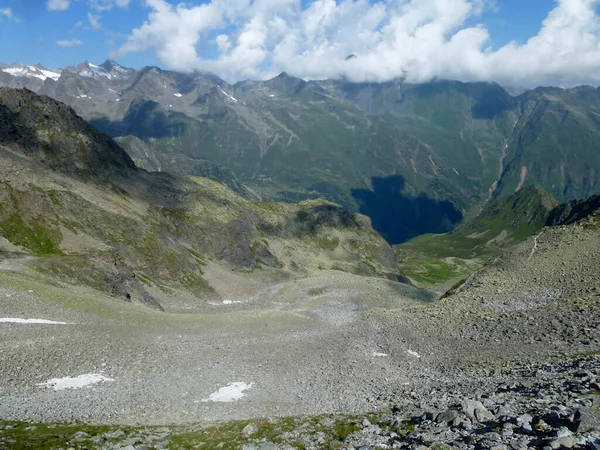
<point x="440" y="258"/>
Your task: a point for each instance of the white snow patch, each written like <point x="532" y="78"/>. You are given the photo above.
<point x="49" y="74"/>
<point x="31" y="321"/>
<point x="232" y="302"/>
<point x="177" y="94"/>
<point x="233" y="99"/>
<point x="413" y="353"/>
<point x="380" y="354"/>
<point x="271" y="95"/>
<point x="230" y="393"/>
<point x="118" y="100"/>
<point x="87" y="379"/>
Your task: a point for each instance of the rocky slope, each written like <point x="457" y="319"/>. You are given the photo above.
<point x="443" y="149"/>
<point x="71" y="197"/>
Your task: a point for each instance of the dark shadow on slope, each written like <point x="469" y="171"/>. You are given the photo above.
<point x="145" y="119"/>
<point x="399" y="217"/>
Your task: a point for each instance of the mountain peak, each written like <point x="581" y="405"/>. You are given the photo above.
<point x="286" y="84"/>
<point x="114" y="68"/>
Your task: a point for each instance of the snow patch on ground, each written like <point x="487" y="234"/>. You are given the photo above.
<point x="31" y="321"/>
<point x="380" y="354"/>
<point x="177" y="94"/>
<point x="230" y="393"/>
<point x="413" y="353"/>
<point x="87" y="379"/>
<point x="232" y="302"/>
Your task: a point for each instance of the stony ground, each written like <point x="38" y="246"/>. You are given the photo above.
<point x="331" y="343"/>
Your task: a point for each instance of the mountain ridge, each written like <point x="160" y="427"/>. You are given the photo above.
<point x="288" y="139"/>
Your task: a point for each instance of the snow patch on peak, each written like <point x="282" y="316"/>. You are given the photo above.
<point x="39" y="72"/>
<point x="230" y="97"/>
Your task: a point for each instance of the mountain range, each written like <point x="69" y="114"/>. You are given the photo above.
<point x="423" y="156"/>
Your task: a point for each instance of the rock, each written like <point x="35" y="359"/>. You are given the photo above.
<point x="564" y="442"/>
<point x="447" y="416"/>
<point x="526" y="428"/>
<point x="585" y="421"/>
<point x="365" y="423"/>
<point x="524" y="418"/>
<point x="80" y="436"/>
<point x="114" y="434"/>
<point x="475" y="410"/>
<point x="563" y="432"/>
<point x="249" y="430"/>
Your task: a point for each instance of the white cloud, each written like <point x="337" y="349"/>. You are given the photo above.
<point x="417" y="39"/>
<point x="58" y="5"/>
<point x="98" y="5"/>
<point x="104" y="5"/>
<point x="94" y="21"/>
<point x="6" y="12"/>
<point x="69" y="43"/>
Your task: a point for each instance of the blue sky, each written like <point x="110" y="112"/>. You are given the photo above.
<point x="258" y="38"/>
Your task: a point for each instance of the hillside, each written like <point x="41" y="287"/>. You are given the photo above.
<point x="429" y="154"/>
<point x="75" y="208"/>
<point x="446" y="258"/>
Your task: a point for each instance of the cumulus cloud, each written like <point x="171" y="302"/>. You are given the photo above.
<point x="414" y="39"/>
<point x="69" y="43"/>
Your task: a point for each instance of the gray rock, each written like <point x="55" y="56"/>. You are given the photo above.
<point x="475" y="410"/>
<point x="80" y="436"/>
<point x="249" y="430"/>
<point x="564" y="442"/>
<point x="585" y="421"/>
<point x="563" y="432"/>
<point x="524" y="418"/>
<point x="447" y="416"/>
<point x="526" y="428"/>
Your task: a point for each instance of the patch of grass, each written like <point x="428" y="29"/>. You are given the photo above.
<point x="228" y="435"/>
<point x="35" y="236"/>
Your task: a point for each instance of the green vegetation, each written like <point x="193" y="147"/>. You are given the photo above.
<point x="34" y="236"/>
<point x="231" y="435"/>
<point x="445" y="258"/>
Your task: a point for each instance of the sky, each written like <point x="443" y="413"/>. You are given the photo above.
<point x="521" y="43"/>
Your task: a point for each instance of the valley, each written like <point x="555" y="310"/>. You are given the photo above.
<point x="163" y="298"/>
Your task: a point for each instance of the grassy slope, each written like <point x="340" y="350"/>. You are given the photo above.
<point x="444" y="258"/>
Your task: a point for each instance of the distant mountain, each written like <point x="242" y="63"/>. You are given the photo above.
<point x="75" y="208"/>
<point x="426" y="155"/>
